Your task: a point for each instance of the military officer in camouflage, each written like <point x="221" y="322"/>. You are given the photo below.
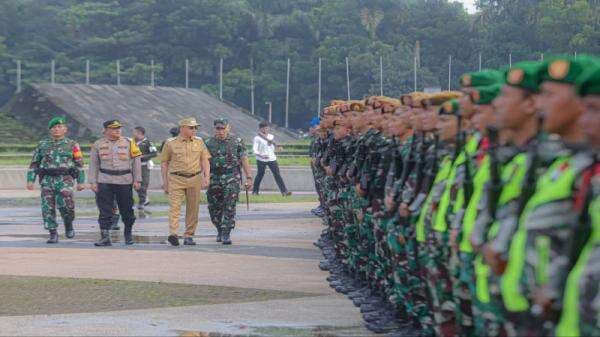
<point x="228" y="158"/>
<point x="115" y="168"/>
<point x="58" y="163"/>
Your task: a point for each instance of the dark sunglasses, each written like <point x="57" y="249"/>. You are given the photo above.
<point x="220" y="127"/>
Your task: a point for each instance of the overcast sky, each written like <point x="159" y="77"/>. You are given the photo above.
<point x="469" y="5"/>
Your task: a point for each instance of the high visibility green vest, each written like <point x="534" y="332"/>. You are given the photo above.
<point x="439" y="223"/>
<point x="468" y="222"/>
<point x="440" y="178"/>
<point x="553" y="186"/>
<point x="569" y="321"/>
<point x="513" y="174"/>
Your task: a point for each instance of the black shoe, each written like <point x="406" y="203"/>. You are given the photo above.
<point x="128" y="237"/>
<point x="226" y="238"/>
<point x="254" y="193"/>
<point x="189" y="242"/>
<point x="69" y="232"/>
<point x="219" y="235"/>
<point x="53" y="237"/>
<point x="104" y="239"/>
<point x="286" y="193"/>
<point x="173" y="240"/>
<point x="324" y="265"/>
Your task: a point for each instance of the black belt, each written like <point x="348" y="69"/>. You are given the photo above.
<point x="185" y="175"/>
<point x="55" y="172"/>
<point x="115" y="172"/>
<point x="223" y="171"/>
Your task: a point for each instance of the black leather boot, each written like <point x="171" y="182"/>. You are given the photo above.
<point x="104" y="239"/>
<point x="226" y="238"/>
<point x="69" y="231"/>
<point x="219" y="235"/>
<point x="128" y="236"/>
<point x="53" y="236"/>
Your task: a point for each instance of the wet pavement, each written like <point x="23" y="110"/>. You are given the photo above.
<point x="272" y="251"/>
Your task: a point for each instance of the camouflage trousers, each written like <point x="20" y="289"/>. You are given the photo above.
<point x="396" y="243"/>
<point x="222" y="199"/>
<point x="358" y="254"/>
<point x="350" y="228"/>
<point x="367" y="240"/>
<point x="463" y="277"/>
<point x="439" y="283"/>
<point x="488" y="307"/>
<point x="57" y="192"/>
<point x="418" y="294"/>
<point x="382" y="263"/>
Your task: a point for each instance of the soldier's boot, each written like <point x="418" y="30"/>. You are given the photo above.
<point x="226" y="238"/>
<point x="188" y="242"/>
<point x="219" y="235"/>
<point x="53" y="236"/>
<point x="128" y="235"/>
<point x="115" y="222"/>
<point x="104" y="239"/>
<point x="69" y="231"/>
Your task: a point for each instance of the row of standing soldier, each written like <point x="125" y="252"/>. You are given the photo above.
<point x="471" y="213"/>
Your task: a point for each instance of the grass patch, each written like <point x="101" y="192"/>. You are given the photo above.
<point x="32" y="295"/>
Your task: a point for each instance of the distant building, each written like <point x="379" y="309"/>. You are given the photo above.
<point x="156" y="108"/>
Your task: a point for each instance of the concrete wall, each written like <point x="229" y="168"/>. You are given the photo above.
<point x="296" y="179"/>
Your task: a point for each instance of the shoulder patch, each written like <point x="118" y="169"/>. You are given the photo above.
<point x="134" y="149"/>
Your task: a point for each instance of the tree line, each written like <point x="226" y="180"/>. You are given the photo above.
<point x="268" y="32"/>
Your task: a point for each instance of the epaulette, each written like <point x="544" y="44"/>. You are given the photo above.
<point x="170" y="139"/>
<point x="198" y="138"/>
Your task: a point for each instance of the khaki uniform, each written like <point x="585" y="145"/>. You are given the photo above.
<point x="184" y="157"/>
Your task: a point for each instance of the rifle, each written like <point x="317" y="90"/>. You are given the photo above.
<point x="461" y="145"/>
<point x="420" y="165"/>
<point x="495" y="179"/>
<point x="433" y="172"/>
<point x="530" y="177"/>
<point x="407" y="166"/>
<point x="247" y="200"/>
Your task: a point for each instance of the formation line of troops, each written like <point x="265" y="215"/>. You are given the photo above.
<point x="117" y="166"/>
<point x="468" y="213"/>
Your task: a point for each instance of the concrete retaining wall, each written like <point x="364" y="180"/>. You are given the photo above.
<point x="296" y="179"/>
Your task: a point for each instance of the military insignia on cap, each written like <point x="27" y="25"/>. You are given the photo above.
<point x="466" y="80"/>
<point x="515" y="76"/>
<point x="448" y="107"/>
<point x="558" y="69"/>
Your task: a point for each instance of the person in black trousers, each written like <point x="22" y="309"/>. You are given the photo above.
<point x="264" y="149"/>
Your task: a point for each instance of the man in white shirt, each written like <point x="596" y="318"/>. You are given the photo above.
<point x="264" y="149"/>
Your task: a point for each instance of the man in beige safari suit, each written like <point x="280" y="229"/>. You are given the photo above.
<point x="185" y="171"/>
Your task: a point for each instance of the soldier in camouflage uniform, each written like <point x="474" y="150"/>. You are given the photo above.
<point x="228" y="157"/>
<point x="58" y="162"/>
<point x="582" y="294"/>
<point x="548" y="236"/>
